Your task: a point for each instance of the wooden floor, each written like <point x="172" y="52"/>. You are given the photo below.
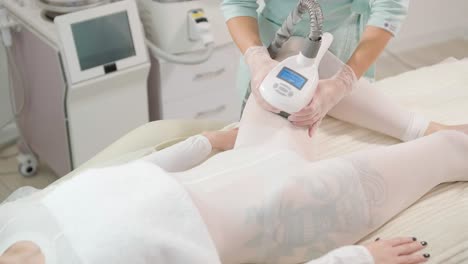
<point x="11" y="180"/>
<point x="388" y="65"/>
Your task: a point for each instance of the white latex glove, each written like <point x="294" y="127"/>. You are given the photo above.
<point x="328" y="93"/>
<point x="260" y="64"/>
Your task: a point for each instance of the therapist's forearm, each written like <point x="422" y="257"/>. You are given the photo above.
<point x="372" y="43"/>
<point x="244" y="32"/>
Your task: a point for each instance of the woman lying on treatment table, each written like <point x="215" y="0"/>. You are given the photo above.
<point x="266" y="201"/>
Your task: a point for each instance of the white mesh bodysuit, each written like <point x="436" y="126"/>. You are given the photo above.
<point x="266" y="201"/>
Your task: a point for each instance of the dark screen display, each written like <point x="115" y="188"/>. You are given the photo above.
<point x="103" y="40"/>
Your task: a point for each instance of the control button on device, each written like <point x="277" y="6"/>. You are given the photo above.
<point x="275" y="85"/>
<point x="282" y="88"/>
<point x="285" y="87"/>
<point x="280" y="92"/>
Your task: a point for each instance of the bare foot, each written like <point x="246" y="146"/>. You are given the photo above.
<point x="398" y="250"/>
<point x="222" y="140"/>
<point x="23" y="252"/>
<point x="434" y="127"/>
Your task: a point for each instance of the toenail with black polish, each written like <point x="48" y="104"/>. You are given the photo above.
<point x="414" y="239"/>
<point x="424" y="243"/>
<point x="426" y="255"/>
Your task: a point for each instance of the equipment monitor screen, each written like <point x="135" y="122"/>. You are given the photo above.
<point x="103" y="40"/>
<point x="292" y="77"/>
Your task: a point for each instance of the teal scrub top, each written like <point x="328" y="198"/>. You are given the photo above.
<point x="345" y="19"/>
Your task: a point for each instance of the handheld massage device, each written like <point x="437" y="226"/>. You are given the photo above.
<point x="291" y="85"/>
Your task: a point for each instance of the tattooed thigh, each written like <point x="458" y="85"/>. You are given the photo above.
<point x="318" y="208"/>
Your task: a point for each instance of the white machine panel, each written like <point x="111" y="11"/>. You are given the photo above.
<point x="74" y="108"/>
<point x="103" y="110"/>
<point x="166" y="23"/>
<point x="101" y="40"/>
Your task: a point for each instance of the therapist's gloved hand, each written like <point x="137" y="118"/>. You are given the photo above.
<point x="260" y="64"/>
<point x="329" y="92"/>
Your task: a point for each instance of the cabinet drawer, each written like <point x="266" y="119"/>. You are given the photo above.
<point x="216" y="106"/>
<point x="218" y="73"/>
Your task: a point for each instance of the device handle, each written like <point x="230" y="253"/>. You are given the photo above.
<point x="208" y="75"/>
<point x="216" y="110"/>
<point x="327" y="40"/>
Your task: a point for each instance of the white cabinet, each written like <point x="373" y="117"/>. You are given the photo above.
<point x="9" y="132"/>
<point x="203" y="91"/>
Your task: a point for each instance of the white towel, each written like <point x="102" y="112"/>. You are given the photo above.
<point x="133" y="213"/>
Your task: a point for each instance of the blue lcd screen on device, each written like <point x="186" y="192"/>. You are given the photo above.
<point x="292" y="77"/>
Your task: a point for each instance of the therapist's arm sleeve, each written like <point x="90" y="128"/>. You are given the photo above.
<point x="237" y="8"/>
<point x="347" y="254"/>
<point x="388" y="14"/>
<point x="241" y="20"/>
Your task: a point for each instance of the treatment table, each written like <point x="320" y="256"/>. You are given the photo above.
<point x="439" y="91"/>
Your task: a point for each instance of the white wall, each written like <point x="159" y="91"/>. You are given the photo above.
<point x="5" y="108"/>
<point x="432" y="21"/>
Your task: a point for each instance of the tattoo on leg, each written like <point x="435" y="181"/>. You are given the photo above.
<point x="310" y="214"/>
